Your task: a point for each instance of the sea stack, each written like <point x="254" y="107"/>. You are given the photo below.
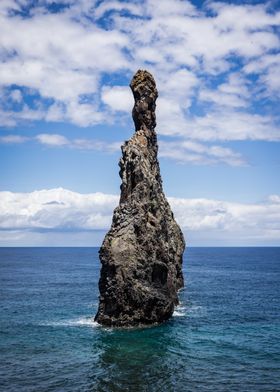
<point x="141" y="254"/>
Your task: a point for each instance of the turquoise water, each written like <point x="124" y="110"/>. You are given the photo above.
<point x="223" y="337"/>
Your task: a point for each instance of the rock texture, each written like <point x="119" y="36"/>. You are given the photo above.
<point x="141" y="254"/>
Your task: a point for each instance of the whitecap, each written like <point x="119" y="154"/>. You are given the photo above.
<point x="193" y="310"/>
<point x="180" y="311"/>
<point x="78" y="322"/>
<point x="176" y="313"/>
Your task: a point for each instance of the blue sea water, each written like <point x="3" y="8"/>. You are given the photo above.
<point x="224" y="336"/>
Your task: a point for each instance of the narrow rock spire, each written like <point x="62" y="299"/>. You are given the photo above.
<point x="141" y="254"/>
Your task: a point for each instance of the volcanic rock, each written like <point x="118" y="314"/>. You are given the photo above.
<point x="141" y="254"/>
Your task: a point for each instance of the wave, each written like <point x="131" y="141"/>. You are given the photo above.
<point x="193" y="311"/>
<point x="78" y="322"/>
<point x="180" y="311"/>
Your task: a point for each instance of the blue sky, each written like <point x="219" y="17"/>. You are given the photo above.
<point x="65" y="109"/>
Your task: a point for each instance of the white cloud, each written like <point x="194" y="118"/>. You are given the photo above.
<point x="234" y="93"/>
<point x="52" y="139"/>
<point x="223" y="124"/>
<point x="243" y="31"/>
<point x="244" y="17"/>
<point x="60" y="210"/>
<point x="16" y="95"/>
<point x="13" y="139"/>
<point x="56" y="209"/>
<point x="198" y="153"/>
<point x="9" y="118"/>
<point x="47" y="79"/>
<point x="116" y="6"/>
<point x="182" y="151"/>
<point x="118" y="98"/>
<point x="200" y="58"/>
<point x="99" y="145"/>
<point x="56" y="140"/>
<point x="63" y="64"/>
<point x="275" y="199"/>
<point x="267" y="68"/>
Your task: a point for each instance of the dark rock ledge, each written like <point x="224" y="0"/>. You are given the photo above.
<point x="141" y="254"/>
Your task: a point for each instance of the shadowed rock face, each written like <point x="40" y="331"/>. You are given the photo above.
<point x="141" y="254"/>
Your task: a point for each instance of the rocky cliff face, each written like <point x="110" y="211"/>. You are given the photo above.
<point x="141" y="254"/>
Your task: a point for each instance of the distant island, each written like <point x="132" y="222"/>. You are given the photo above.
<point x="141" y="254"/>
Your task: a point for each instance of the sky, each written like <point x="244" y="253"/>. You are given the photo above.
<point x="65" y="110"/>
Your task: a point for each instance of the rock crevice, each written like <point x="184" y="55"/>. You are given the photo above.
<point x="141" y="255"/>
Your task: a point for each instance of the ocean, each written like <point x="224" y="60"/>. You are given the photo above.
<point x="224" y="335"/>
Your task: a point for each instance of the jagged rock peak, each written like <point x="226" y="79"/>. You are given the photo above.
<point x="141" y="255"/>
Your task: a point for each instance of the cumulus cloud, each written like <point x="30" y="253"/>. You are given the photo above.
<point x="60" y="210"/>
<point x="267" y="69"/>
<point x="119" y="98"/>
<point x="220" y="124"/>
<point x="56" y="209"/>
<point x="234" y="93"/>
<point x="213" y="65"/>
<point x="90" y="39"/>
<point x="63" y="65"/>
